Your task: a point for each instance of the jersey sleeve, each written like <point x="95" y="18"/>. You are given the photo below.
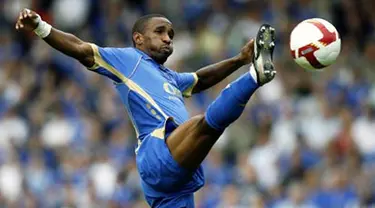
<point x="186" y="83"/>
<point x="114" y="63"/>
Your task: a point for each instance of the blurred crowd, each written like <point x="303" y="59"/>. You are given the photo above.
<point x="307" y="139"/>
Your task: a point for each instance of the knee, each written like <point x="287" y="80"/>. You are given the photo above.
<point x="203" y="125"/>
<point x="199" y="120"/>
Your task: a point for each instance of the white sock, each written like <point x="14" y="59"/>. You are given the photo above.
<point x="253" y="73"/>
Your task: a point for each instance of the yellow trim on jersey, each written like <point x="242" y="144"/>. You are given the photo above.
<point x="138" y="146"/>
<point x="159" y="133"/>
<point x="99" y="62"/>
<point x="96" y="53"/>
<point x="128" y="82"/>
<point x="189" y="91"/>
<point x="94" y="67"/>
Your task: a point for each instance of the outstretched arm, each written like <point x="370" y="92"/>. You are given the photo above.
<point x="64" y="42"/>
<point x="210" y="75"/>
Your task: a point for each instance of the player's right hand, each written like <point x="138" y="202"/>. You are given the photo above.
<point x="27" y="20"/>
<point x="247" y="52"/>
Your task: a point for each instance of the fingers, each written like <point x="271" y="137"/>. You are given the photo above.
<point x="250" y="43"/>
<point x="19" y="22"/>
<point x="249" y="47"/>
<point x="25" y="13"/>
<point x="30" y="14"/>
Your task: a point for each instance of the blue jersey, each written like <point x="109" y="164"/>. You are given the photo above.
<point x="153" y="95"/>
<point x="151" y="92"/>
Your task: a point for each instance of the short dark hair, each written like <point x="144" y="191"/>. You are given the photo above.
<point x="140" y="25"/>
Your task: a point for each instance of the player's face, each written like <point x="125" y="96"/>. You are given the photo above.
<point x="158" y="39"/>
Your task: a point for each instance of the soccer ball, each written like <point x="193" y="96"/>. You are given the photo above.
<point x="315" y="44"/>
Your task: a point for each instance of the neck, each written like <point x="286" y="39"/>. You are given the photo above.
<point x="160" y="61"/>
<point x="144" y="50"/>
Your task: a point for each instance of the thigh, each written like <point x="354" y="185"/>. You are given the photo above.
<point x="190" y="143"/>
<point x="159" y="172"/>
<point x="161" y="175"/>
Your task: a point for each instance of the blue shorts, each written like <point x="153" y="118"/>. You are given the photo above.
<point x="164" y="182"/>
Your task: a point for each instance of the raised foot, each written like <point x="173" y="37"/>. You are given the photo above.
<point x="263" y="54"/>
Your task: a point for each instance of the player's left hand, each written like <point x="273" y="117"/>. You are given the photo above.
<point x="27" y="20"/>
<point x="247" y="52"/>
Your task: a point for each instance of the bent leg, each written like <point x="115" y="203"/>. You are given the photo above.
<point x="190" y="143"/>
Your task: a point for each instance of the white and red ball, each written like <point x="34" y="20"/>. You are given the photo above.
<point x="315" y="44"/>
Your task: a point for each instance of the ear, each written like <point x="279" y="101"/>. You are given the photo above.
<point x="138" y="38"/>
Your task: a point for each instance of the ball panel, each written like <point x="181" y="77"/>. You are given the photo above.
<point x="308" y="52"/>
<point x="304" y="34"/>
<point x="302" y="62"/>
<point x="328" y="36"/>
<point x="307" y="58"/>
<point x="328" y="54"/>
<point x="326" y="24"/>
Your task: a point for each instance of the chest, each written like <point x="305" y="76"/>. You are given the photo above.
<point x="157" y="81"/>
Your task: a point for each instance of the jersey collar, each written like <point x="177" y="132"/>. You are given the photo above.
<point x="144" y="55"/>
<point x="147" y="57"/>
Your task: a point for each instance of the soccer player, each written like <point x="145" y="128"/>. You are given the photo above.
<point x="171" y="147"/>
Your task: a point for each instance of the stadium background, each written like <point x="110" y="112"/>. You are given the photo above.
<point x="305" y="140"/>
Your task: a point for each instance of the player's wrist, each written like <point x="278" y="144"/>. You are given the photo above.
<point x="43" y="29"/>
